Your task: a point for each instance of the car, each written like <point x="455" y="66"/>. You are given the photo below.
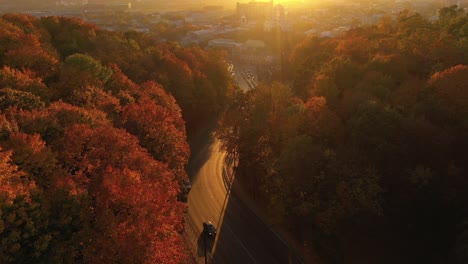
<point x="187" y="185"/>
<point x="185" y="188"/>
<point x="209" y="229"/>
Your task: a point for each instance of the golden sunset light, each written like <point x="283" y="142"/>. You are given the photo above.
<point x="234" y="131"/>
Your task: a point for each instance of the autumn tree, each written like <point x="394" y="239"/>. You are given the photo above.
<point x="24" y="80"/>
<point x="24" y="233"/>
<point x="111" y="166"/>
<point x="21" y="45"/>
<point x="449" y="95"/>
<point x="371" y="136"/>
<point x="52" y="121"/>
<point x="160" y="131"/>
<point x="19" y="99"/>
<point x="69" y="35"/>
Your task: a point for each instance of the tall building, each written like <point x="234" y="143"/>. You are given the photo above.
<point x="255" y="10"/>
<point x="279" y="13"/>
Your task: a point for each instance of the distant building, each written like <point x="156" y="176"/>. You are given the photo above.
<point x="90" y="6"/>
<point x="228" y="44"/>
<point x="254" y="45"/>
<point x="223" y="43"/>
<point x="326" y="34"/>
<point x="269" y="25"/>
<point x="279" y="20"/>
<point x="243" y="20"/>
<point x="71" y="2"/>
<point x="201" y="35"/>
<point x="253" y="52"/>
<point x="310" y="32"/>
<point x="450" y="2"/>
<point x="334" y="32"/>
<point x="142" y="30"/>
<point x="213" y="8"/>
<point x="279" y="13"/>
<point x="371" y="19"/>
<point x="203" y="16"/>
<point x="255" y="10"/>
<point x="459" y="3"/>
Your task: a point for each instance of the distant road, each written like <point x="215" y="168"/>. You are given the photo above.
<point x="240" y="76"/>
<point x="242" y="237"/>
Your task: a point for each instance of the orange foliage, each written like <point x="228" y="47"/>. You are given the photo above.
<point x="450" y="93"/>
<point x="22" y="49"/>
<point x="354" y="47"/>
<point x="320" y="122"/>
<point x="32" y="155"/>
<point x="137" y="214"/>
<point x="160" y="131"/>
<point x="13" y="183"/>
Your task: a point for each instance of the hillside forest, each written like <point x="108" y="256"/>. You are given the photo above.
<point x="93" y="141"/>
<point x="364" y="148"/>
<point x="360" y="148"/>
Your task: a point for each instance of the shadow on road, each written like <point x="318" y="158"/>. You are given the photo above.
<point x="244" y="238"/>
<point x="199" y="148"/>
<point x="204" y="243"/>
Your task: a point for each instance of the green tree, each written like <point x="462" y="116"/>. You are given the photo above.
<point x="19" y="99"/>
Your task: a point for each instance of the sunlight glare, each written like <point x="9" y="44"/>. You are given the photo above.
<point x="285" y="2"/>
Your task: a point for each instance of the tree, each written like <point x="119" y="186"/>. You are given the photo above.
<point x="32" y="156"/>
<point x="111" y="166"/>
<point x="19" y="99"/>
<point x="22" y="49"/>
<point x="23" y="216"/>
<point x="449" y="95"/>
<point x="52" y="121"/>
<point x="69" y="35"/>
<point x="447" y="15"/>
<point x="160" y="131"/>
<point x="24" y="80"/>
<point x="85" y="63"/>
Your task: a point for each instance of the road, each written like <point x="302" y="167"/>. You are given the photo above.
<point x="242" y="237"/>
<point x="245" y="77"/>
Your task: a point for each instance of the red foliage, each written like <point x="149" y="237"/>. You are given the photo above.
<point x="32" y="155"/>
<point x="353" y="47"/>
<point x="155" y="91"/>
<point x="24" y="50"/>
<point x="160" y="131"/>
<point x="24" y="80"/>
<point x="12" y="181"/>
<point x="450" y="93"/>
<point x="119" y="81"/>
<point x="321" y="123"/>
<point x="137" y="215"/>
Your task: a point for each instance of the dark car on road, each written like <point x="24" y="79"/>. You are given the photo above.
<point x="209" y="229"/>
<point x="185" y="188"/>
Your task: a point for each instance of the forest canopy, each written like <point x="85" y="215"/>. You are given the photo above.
<point x="93" y="143"/>
<point x="367" y="143"/>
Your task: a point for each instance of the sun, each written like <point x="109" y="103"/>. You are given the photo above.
<point x="284" y="2"/>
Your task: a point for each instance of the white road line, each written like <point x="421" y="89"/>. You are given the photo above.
<point x="242" y="245"/>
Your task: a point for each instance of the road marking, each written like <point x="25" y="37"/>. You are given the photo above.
<point x="240" y="242"/>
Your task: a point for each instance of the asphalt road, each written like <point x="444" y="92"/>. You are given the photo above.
<point x="240" y="77"/>
<point x="242" y="237"/>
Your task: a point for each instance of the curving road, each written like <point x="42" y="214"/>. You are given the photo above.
<point x="242" y="237"/>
